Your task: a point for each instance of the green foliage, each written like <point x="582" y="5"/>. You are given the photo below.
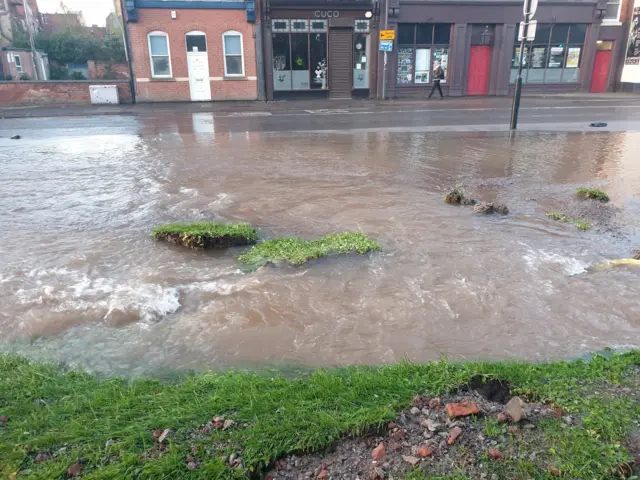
<point x="70" y="46"/>
<point x="24" y="77"/>
<point x="50" y="408"/>
<point x="77" y="76"/>
<point x="492" y="428"/>
<point x="592" y="193"/>
<point x="199" y="234"/>
<point x="58" y="73"/>
<point x="579" y="223"/>
<point x="296" y="251"/>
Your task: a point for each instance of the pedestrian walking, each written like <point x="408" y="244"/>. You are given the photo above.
<point x="438" y="75"/>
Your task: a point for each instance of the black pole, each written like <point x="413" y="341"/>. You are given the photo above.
<point x="127" y="51"/>
<point x="515" y="108"/>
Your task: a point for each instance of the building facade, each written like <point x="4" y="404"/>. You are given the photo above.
<point x="21" y="64"/>
<point x="192" y="50"/>
<point x="578" y="46"/>
<point x="321" y="48"/>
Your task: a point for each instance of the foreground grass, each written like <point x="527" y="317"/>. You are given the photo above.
<point x="109" y="422"/>
<point x="592" y="193"/>
<point x="576" y="222"/>
<point x="207" y="234"/>
<point x="296" y="251"/>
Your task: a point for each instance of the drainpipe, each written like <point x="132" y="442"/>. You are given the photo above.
<point x="125" y="36"/>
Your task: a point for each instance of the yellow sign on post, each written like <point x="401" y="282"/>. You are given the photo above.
<point x="387" y="34"/>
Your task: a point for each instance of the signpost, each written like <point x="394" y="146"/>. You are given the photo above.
<point x="529" y="10"/>
<point x="387" y="34"/>
<point x="386" y="45"/>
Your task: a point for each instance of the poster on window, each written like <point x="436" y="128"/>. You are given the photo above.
<point x="556" y="56"/>
<point x="442" y="56"/>
<point x="405" y="65"/>
<point x="573" y="57"/>
<point x="422" y="65"/>
<point x="538" y="57"/>
<point x="633" y="47"/>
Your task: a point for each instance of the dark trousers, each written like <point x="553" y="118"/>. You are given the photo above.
<point x="436" y="84"/>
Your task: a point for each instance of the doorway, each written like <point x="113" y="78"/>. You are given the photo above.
<point x="198" y="67"/>
<point x="600" y="73"/>
<point x="341" y="64"/>
<point x="478" y="74"/>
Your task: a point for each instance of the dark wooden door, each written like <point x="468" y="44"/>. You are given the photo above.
<point x="479" y="65"/>
<point x="340" y="62"/>
<point x="600" y="71"/>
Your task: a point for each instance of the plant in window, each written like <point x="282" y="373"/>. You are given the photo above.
<point x="321" y="72"/>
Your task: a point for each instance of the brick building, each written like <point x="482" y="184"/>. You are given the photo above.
<point x="186" y="50"/>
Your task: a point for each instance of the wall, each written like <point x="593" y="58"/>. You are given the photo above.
<point x="98" y="69"/>
<point x="26" y="60"/>
<point x="213" y="22"/>
<point x="56" y="92"/>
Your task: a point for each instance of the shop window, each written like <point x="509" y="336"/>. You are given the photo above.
<point x="361" y="61"/>
<point x="420" y="45"/>
<point x="553" y="57"/>
<point x="159" y="54"/>
<point x="18" y="62"/>
<point x="196" y="42"/>
<point x="233" y="54"/>
<point x="299" y="57"/>
<point x="406" y="33"/>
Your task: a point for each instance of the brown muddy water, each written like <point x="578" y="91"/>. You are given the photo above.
<point x="82" y="281"/>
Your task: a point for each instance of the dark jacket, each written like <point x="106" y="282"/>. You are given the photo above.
<point x="438" y="74"/>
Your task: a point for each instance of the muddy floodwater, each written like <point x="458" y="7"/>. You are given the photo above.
<point x="82" y="281"/>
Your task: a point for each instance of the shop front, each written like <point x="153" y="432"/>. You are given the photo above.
<point x="320" y="50"/>
<point x="477" y="46"/>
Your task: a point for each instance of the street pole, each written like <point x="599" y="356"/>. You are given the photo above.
<point x="515" y="108"/>
<point x="384" y="71"/>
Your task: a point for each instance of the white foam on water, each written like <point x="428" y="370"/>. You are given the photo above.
<point x="571" y="266"/>
<point x="222" y="287"/>
<point x="189" y="191"/>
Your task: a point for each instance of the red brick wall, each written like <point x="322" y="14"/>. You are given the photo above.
<point x="213" y="22"/>
<point x="98" y="69"/>
<point x="55" y="93"/>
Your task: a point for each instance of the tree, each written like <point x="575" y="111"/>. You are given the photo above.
<point x="72" y="47"/>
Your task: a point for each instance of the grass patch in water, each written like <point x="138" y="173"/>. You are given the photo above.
<point x="207" y="234"/>
<point x="296" y="251"/>
<point x="109" y="422"/>
<point x="592" y="193"/>
<point x="576" y="222"/>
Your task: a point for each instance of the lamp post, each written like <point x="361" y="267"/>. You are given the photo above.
<point x="529" y="9"/>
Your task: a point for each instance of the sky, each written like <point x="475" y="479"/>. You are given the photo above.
<point x="94" y="11"/>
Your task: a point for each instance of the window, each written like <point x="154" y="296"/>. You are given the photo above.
<point x="233" y="56"/>
<point x="553" y="57"/>
<point x="159" y="55"/>
<point x="18" y="62"/>
<point x="299" y="55"/>
<point x="612" y="13"/>
<point x="419" y="45"/>
<point x="196" y="42"/>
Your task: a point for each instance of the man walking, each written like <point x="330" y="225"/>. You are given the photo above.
<point x="438" y="75"/>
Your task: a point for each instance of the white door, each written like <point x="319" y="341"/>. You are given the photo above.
<point x="198" y="66"/>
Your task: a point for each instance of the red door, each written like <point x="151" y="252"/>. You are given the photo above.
<point x="600" y="71"/>
<point x="479" y="64"/>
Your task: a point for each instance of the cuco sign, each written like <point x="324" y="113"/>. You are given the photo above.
<point x="326" y="13"/>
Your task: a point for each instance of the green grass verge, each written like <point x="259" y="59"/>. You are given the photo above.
<point x="207" y="234"/>
<point x="109" y="422"/>
<point x="592" y="193"/>
<point x="576" y="222"/>
<point x="296" y="251"/>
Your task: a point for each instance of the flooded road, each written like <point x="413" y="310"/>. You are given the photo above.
<point x="82" y="281"/>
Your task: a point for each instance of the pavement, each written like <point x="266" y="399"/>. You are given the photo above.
<point x="569" y="112"/>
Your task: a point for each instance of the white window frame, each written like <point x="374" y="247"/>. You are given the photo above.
<point x="615" y="21"/>
<point x="18" y="61"/>
<point x="166" y="36"/>
<point x="232" y="33"/>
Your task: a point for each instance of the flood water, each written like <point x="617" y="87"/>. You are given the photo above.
<point x="82" y="281"/>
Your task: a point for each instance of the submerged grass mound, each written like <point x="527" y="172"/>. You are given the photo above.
<point x="200" y="235"/>
<point x="53" y="419"/>
<point x="296" y="251"/>
<point x="576" y="222"/>
<point x="592" y="193"/>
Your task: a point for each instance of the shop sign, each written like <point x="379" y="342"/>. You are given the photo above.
<point x="326" y="14"/>
<point x="387" y="34"/>
<point x="386" y="45"/>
